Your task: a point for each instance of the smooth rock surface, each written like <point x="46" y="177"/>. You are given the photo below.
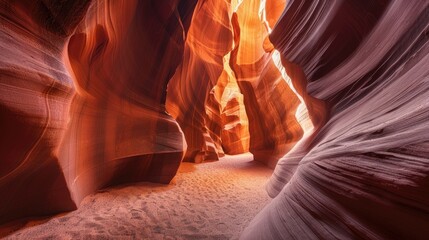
<point x="270" y="102"/>
<point x="68" y="133"/>
<point x="365" y="172"/>
<point x="119" y="130"/>
<point x="35" y="95"/>
<point x="189" y="91"/>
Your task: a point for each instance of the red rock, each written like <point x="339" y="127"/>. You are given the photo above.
<point x="360" y="69"/>
<point x="119" y="130"/>
<point x="234" y="122"/>
<point x="209" y="39"/>
<point x="115" y="129"/>
<point x="235" y="132"/>
<point x="35" y="96"/>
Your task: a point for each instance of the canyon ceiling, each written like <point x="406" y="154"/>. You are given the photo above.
<point x="334" y="95"/>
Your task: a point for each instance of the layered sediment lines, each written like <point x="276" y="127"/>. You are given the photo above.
<point x="35" y="95"/>
<point x="68" y="133"/>
<point x="190" y="90"/>
<point x="364" y="172"/>
<point x="84" y="105"/>
<point x="225" y="41"/>
<point x="122" y="57"/>
<point x="270" y="102"/>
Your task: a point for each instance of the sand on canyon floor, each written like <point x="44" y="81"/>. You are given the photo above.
<point x="213" y="200"/>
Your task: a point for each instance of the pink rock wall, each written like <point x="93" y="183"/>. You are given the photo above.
<point x="364" y="173"/>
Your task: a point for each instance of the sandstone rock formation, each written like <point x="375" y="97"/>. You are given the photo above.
<point x="270" y="102"/>
<point x="63" y="139"/>
<point x="119" y="130"/>
<point x="209" y="40"/>
<point x="35" y="95"/>
<point x="233" y="33"/>
<point x="364" y="173"/>
<point x="235" y="131"/>
<point x="84" y="105"/>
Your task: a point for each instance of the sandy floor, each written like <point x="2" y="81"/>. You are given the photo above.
<point x="213" y="200"/>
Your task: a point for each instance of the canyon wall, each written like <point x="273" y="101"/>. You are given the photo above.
<point x="84" y="105"/>
<point x="35" y="95"/>
<point x="68" y="133"/>
<point x="270" y="102"/>
<point x="190" y="90"/>
<point x="225" y="46"/>
<point x="122" y="57"/>
<point x="362" y="68"/>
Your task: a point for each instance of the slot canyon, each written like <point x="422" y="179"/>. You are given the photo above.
<point x="214" y="119"/>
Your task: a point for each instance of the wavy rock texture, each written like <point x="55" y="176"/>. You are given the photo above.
<point x="209" y="40"/>
<point x="360" y="69"/>
<point x="119" y="131"/>
<point x="213" y="122"/>
<point x="35" y="95"/>
<point x="56" y="150"/>
<point x="270" y="102"/>
<point x="235" y="132"/>
<point x="365" y="172"/>
<point x="225" y="36"/>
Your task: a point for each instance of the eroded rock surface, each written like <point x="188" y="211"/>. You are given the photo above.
<point x="365" y="172"/>
<point x="209" y="40"/>
<point x="226" y="41"/>
<point x="235" y="131"/>
<point x="270" y="102"/>
<point x="122" y="57"/>
<point x="65" y="137"/>
<point x="35" y="95"/>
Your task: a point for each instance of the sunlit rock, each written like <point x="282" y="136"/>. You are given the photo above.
<point x="235" y="124"/>
<point x="209" y="40"/>
<point x="214" y="123"/>
<point x="235" y="132"/>
<point x="270" y="103"/>
<point x="333" y="94"/>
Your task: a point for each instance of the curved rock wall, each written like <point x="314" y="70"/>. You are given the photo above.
<point x="270" y="102"/>
<point x="235" y="130"/>
<point x="35" y="95"/>
<point x="122" y="57"/>
<point x="233" y="33"/>
<point x="364" y="172"/>
<point x="63" y="139"/>
<point x="209" y="40"/>
<point x="360" y="67"/>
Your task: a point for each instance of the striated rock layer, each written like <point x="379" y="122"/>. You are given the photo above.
<point x="35" y="95"/>
<point x="63" y="139"/>
<point x="82" y="105"/>
<point x="122" y="57"/>
<point x="189" y="91"/>
<point x="235" y="132"/>
<point x="362" y="67"/>
<point x="226" y="41"/>
<point x="270" y="102"/>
